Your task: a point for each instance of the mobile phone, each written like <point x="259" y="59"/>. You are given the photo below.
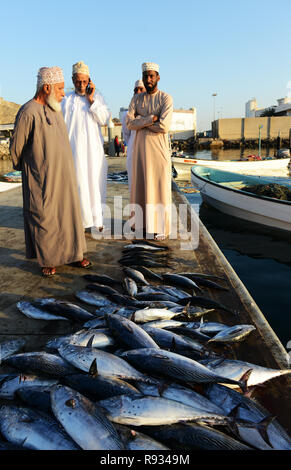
<point x="88" y="88"/>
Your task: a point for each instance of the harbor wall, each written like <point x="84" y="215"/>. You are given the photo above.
<point x="248" y="128"/>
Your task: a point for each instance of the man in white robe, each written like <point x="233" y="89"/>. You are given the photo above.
<point x="128" y="135"/>
<point x="85" y="111"/>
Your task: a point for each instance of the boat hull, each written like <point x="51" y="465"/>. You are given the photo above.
<point x="258" y="167"/>
<point x="261" y="210"/>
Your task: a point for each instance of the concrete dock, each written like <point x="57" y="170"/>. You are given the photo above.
<point x="21" y="280"/>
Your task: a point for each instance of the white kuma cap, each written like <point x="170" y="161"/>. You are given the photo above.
<point x="150" y="66"/>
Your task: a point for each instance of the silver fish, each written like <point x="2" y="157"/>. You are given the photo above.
<point x="153" y="411"/>
<point x="107" y="364"/>
<point x="128" y="333"/>
<point x="8" y="348"/>
<point x="66" y="309"/>
<point x="31" y="311"/>
<point x="234" y="370"/>
<point x="100" y="338"/>
<point x="181" y="394"/>
<point x="134" y="440"/>
<point x="233" y="334"/>
<point x="176" y="366"/>
<point x="96" y="323"/>
<point x="93" y="298"/>
<point x="195" y="436"/>
<point x="83" y="420"/>
<point x="151" y="314"/>
<point x="266" y="436"/>
<point x="11" y="383"/>
<point x="178" y="343"/>
<point x="97" y="386"/>
<point x="130" y="286"/>
<point x="40" y="363"/>
<point x="33" y="430"/>
<point x="136" y="275"/>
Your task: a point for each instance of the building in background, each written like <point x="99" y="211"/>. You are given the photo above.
<point x="283" y="108"/>
<point x="183" y="126"/>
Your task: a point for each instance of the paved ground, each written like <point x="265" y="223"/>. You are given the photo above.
<point x="21" y="280"/>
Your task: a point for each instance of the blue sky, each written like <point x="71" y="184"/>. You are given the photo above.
<point x="238" y="50"/>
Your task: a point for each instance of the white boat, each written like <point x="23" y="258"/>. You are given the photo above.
<point x="267" y="167"/>
<point x="223" y="190"/>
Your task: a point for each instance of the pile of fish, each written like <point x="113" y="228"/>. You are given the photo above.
<point x="143" y="371"/>
<point x="118" y="177"/>
<point x="122" y="177"/>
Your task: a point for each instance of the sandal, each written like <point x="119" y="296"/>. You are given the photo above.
<point x="51" y="271"/>
<point x="85" y="264"/>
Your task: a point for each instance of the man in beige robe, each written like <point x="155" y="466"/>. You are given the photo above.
<point x="150" y="115"/>
<point x="40" y="147"/>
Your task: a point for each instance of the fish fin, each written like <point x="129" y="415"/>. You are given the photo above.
<point x="186" y="310"/>
<point x="132" y="318"/>
<point x="93" y="371"/>
<point x="90" y="342"/>
<point x="173" y="347"/>
<point x="253" y="388"/>
<point x="163" y="386"/>
<point x="244" y="380"/>
<point x="262" y="427"/>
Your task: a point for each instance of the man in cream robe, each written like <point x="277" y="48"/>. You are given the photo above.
<point x="150" y="115"/>
<point x="128" y="135"/>
<point x="84" y="114"/>
<point x="40" y="148"/>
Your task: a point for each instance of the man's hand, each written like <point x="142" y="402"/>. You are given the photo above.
<point x="90" y="97"/>
<point x="155" y="118"/>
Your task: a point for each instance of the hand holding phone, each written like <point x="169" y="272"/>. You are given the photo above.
<point x="88" y="88"/>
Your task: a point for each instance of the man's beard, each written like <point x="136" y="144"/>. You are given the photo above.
<point x="52" y="101"/>
<point x="150" y="87"/>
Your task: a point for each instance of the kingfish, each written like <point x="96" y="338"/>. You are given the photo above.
<point x="134" y="440"/>
<point x="266" y="434"/>
<point x="37" y="397"/>
<point x="136" y="275"/>
<point x="148" y="273"/>
<point x="40" y="363"/>
<point x="234" y="369"/>
<point x="100" y="338"/>
<point x="107" y="364"/>
<point x="93" y="298"/>
<point x="9" y="384"/>
<point x="64" y="309"/>
<point x="202" y="281"/>
<point x="233" y="334"/>
<point x="8" y="348"/>
<point x="97" y="387"/>
<point x="153" y="411"/>
<point x="195" y="436"/>
<point x="176" y="343"/>
<point x="31" y="311"/>
<point x="83" y="420"/>
<point x="23" y="426"/>
<point x="102" y="279"/>
<point x="184" y="395"/>
<point x="178" y="280"/>
<point x="130" y="286"/>
<point x="128" y="333"/>
<point x="176" y="366"/>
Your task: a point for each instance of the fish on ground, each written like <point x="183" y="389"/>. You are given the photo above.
<point x="83" y="420"/>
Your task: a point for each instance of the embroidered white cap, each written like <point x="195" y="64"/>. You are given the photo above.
<point x="150" y="66"/>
